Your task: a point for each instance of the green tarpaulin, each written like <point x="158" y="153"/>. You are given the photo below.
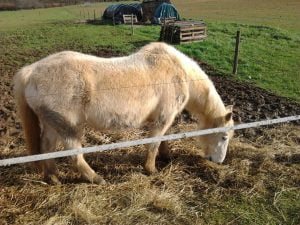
<point x="165" y="10"/>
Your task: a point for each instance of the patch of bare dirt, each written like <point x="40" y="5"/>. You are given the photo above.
<point x="251" y="103"/>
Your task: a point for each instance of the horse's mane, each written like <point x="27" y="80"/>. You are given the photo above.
<point x="162" y="50"/>
<point x="214" y="106"/>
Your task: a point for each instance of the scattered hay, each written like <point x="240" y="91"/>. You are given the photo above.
<point x="188" y="190"/>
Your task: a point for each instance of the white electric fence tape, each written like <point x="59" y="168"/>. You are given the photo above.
<point x="125" y="144"/>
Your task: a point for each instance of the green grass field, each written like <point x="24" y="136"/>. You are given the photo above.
<point x="12" y="20"/>
<point x="274" y="13"/>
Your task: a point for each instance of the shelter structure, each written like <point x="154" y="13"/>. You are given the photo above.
<point x="149" y="7"/>
<point x="117" y="11"/>
<point x="165" y="11"/>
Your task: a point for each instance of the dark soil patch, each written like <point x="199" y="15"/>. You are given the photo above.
<point x="106" y="52"/>
<point x="251" y="103"/>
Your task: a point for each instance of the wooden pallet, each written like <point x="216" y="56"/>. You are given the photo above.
<point x="127" y="18"/>
<point x="165" y="21"/>
<point x="192" y="34"/>
<point x="181" y="32"/>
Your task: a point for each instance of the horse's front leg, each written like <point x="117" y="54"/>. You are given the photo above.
<point x="151" y="158"/>
<point x="164" y="151"/>
<point x="157" y="149"/>
<point x="154" y="148"/>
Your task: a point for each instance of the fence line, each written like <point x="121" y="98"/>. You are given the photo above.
<point x="101" y="148"/>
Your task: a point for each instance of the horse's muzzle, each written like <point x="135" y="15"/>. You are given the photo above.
<point x="210" y="159"/>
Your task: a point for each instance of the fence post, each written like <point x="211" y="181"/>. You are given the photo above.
<point x="131" y="24"/>
<point x="236" y="53"/>
<point x="94" y="14"/>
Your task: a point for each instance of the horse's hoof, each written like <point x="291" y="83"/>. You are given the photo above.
<point x="151" y="171"/>
<point x="98" y="180"/>
<point x="52" y="179"/>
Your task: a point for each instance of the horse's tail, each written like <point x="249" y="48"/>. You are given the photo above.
<point x="29" y="119"/>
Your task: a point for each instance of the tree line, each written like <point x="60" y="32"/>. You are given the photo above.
<point x="32" y="4"/>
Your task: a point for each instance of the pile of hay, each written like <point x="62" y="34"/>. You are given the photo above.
<point x="188" y="190"/>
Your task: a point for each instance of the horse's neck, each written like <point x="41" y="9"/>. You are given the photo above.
<point x="205" y="103"/>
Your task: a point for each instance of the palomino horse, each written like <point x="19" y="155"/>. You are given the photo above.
<point x="57" y="95"/>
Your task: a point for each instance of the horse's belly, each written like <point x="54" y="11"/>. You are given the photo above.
<point x="112" y="121"/>
<point x="117" y="113"/>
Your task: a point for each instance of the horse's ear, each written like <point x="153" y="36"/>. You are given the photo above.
<point x="229" y="108"/>
<point x="228" y="116"/>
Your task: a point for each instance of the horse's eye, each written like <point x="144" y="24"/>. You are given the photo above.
<point x="224" y="138"/>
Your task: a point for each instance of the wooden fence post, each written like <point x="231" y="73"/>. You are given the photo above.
<point x="94" y="14"/>
<point x="236" y="53"/>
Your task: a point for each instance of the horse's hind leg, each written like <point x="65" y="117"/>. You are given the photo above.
<point x="82" y="166"/>
<point x="48" y="144"/>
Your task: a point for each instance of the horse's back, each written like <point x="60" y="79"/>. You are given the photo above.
<point x="121" y="91"/>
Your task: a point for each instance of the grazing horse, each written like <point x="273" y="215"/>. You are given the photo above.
<point x="57" y="95"/>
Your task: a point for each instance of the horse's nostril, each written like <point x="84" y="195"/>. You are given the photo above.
<point x="209" y="158"/>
